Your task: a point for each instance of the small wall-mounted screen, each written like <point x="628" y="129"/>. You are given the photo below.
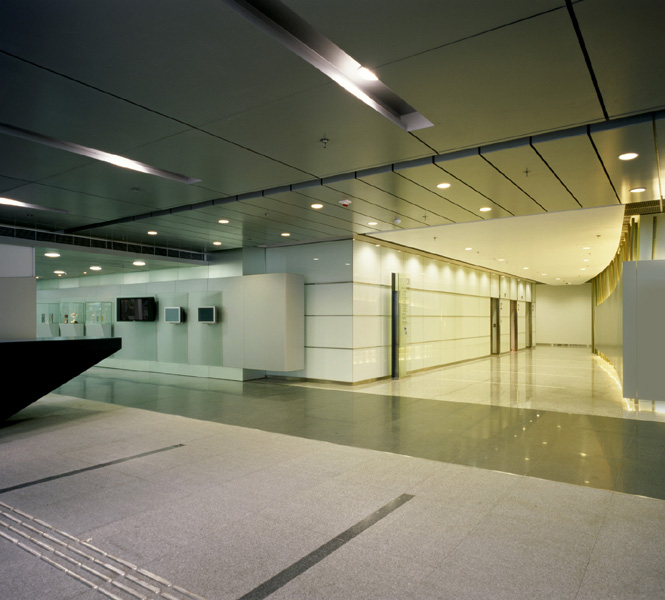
<point x="207" y="314"/>
<point x="136" y="309"/>
<point x="173" y="314"/>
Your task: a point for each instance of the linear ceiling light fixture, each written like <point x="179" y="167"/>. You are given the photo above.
<point x="114" y="159"/>
<point x="290" y="30"/>
<point x="19" y="204"/>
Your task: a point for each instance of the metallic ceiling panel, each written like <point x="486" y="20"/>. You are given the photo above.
<point x="292" y="129"/>
<point x="361" y="211"/>
<point x="523" y="166"/>
<point x="525" y="78"/>
<point x="123" y="192"/>
<point x="575" y="161"/>
<point x="197" y="63"/>
<point x="28" y="161"/>
<point x="459" y="194"/>
<point x="630" y="174"/>
<point x="477" y="172"/>
<point x="624" y="42"/>
<point x="54" y="106"/>
<point x="224" y="167"/>
<point x="378" y="35"/>
<point x="436" y="209"/>
<point x="382" y="204"/>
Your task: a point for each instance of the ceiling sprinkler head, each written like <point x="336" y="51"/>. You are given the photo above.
<point x="324" y="141"/>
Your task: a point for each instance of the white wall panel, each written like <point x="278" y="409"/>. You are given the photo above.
<point x="329" y="331"/>
<point x="564" y="314"/>
<point x="371" y="331"/>
<point x="329" y="299"/>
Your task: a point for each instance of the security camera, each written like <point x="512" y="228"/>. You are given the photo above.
<point x="345" y="202"/>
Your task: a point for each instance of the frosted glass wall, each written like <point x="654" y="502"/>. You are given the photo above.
<point x="449" y="310"/>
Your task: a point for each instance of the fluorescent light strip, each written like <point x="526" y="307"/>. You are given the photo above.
<point x="114" y="159"/>
<point x="293" y="32"/>
<point x="19" y="204"/>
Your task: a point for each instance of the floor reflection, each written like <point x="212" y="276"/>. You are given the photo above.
<point x="552" y="413"/>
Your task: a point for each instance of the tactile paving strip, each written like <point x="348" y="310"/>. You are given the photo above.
<point x="110" y="575"/>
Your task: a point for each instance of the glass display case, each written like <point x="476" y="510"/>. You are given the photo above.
<point x="97" y="313"/>
<point x="48" y="320"/>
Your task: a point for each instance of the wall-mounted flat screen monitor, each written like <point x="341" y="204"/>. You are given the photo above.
<point x="174" y="314"/>
<point x="136" y="309"/>
<point x="207" y="314"/>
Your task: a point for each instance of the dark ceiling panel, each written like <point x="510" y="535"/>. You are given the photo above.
<point x="624" y="41"/>
<point x="630" y="174"/>
<point x="292" y="128"/>
<point x="376" y="37"/>
<point x="523" y="166"/>
<point x="499" y="192"/>
<point x="575" y="161"/>
<point x="197" y="62"/>
<point x="523" y="79"/>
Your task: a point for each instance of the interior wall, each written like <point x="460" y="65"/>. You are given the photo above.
<point x="449" y="307"/>
<point x="564" y="314"/>
<point x="18" y="293"/>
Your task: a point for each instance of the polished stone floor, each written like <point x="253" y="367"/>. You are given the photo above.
<point x="132" y="485"/>
<point x="553" y="413"/>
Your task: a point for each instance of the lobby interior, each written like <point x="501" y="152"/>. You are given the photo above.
<point x="520" y="474"/>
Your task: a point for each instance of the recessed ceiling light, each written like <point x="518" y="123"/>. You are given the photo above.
<point x="372" y="223"/>
<point x="60" y="272"/>
<point x="366" y="74"/>
<point x="628" y="156"/>
<point x="217" y="243"/>
<point x="586" y="260"/>
<point x="501" y="259"/>
<point x="582" y="269"/>
<point x="223" y="221"/>
<point x="637" y="190"/>
<point x="485" y="209"/>
<point x="469" y="248"/>
<point x="139" y="263"/>
<point x="285" y="234"/>
<point x="51" y="254"/>
<point x="317" y="205"/>
<point x="443" y="186"/>
<point x="152" y="233"/>
<point x="525" y="268"/>
<point x="316" y="259"/>
<point x="586" y="247"/>
<point x="95" y="268"/>
<point x="558" y="278"/>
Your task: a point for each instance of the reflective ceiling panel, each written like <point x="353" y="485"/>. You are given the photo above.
<point x="522" y="122"/>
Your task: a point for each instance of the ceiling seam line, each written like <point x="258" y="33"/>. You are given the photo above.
<point x="602" y="164"/>
<point x="376" y="187"/>
<point x="491" y="164"/>
<point x="477" y="192"/>
<point x="153" y="111"/>
<point x="553" y="172"/>
<point x="470" y="37"/>
<point x="379" y="205"/>
<point x="587" y="57"/>
<point x="436" y="195"/>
